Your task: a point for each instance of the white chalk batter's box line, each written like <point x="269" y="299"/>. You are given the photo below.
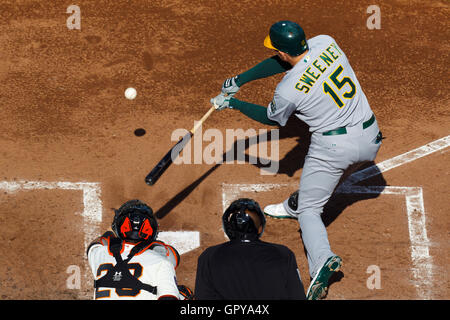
<point x="422" y="262"/>
<point x="183" y="241"/>
<point x="93" y="211"/>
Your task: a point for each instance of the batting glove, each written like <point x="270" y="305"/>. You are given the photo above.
<point x="230" y="87"/>
<point x="221" y="102"/>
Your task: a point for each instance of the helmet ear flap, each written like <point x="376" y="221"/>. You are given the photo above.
<point x="125" y="227"/>
<point x="146" y="230"/>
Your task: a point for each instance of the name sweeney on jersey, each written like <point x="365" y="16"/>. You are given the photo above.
<point x="313" y="72"/>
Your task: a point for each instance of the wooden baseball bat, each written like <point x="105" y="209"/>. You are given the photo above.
<point x="167" y="160"/>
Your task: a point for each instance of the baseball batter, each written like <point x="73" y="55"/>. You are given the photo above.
<point x="321" y="89"/>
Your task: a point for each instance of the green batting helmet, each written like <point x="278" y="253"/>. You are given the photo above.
<point x="288" y="37"/>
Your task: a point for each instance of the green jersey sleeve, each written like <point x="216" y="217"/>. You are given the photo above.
<point x="264" y="69"/>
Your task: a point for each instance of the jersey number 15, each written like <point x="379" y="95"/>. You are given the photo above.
<point x="339" y="85"/>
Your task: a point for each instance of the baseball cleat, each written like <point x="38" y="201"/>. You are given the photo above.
<point x="319" y="284"/>
<point x="278" y="211"/>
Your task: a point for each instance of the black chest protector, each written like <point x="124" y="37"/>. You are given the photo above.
<point x="119" y="276"/>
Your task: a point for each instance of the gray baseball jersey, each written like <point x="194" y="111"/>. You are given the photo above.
<point x="321" y="89"/>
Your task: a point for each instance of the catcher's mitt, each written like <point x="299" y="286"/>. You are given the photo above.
<point x="186" y="292"/>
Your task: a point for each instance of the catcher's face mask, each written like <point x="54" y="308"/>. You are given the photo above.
<point x="135" y="222"/>
<point x="136" y="226"/>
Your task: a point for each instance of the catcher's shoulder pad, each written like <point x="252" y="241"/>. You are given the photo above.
<point x="166" y="251"/>
<point x="109" y="240"/>
<point x="105" y="238"/>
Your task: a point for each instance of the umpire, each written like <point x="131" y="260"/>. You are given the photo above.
<point x="246" y="268"/>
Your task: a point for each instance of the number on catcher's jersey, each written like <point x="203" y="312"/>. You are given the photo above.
<point x="339" y="84"/>
<point x="135" y="269"/>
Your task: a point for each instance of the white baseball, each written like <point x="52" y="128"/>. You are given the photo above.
<point x="130" y="93"/>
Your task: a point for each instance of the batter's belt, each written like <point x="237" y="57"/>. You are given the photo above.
<point x="343" y="130"/>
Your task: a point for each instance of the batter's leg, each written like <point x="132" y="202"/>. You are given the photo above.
<point x="317" y="183"/>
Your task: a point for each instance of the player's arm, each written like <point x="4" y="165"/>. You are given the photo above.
<point x="171" y="254"/>
<point x="95" y="249"/>
<point x="264" y="69"/>
<point x="166" y="282"/>
<point x="277" y="113"/>
<point x="253" y="111"/>
<point x="166" y="251"/>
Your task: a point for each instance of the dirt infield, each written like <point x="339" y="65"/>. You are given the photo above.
<point x="64" y="118"/>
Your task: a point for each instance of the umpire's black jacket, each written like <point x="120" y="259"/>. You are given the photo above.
<point x="248" y="270"/>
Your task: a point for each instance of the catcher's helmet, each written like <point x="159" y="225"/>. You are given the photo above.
<point x="238" y="223"/>
<point x="288" y="37"/>
<point x="134" y="222"/>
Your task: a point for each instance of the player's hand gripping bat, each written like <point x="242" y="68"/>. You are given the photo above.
<point x="167" y="160"/>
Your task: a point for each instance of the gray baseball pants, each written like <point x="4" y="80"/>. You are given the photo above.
<point x="327" y="159"/>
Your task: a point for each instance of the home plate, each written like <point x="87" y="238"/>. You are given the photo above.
<point x="183" y="241"/>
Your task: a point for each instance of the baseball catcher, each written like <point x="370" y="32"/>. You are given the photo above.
<point x="321" y="89"/>
<point x="129" y="263"/>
